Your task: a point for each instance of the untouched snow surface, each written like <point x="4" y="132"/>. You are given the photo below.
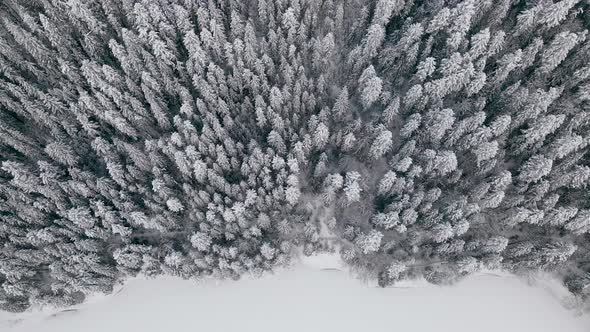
<point x="314" y="296"/>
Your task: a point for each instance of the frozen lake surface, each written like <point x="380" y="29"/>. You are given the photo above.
<point x="314" y="296"/>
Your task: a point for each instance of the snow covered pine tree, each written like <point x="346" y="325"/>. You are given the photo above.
<point x="214" y="138"/>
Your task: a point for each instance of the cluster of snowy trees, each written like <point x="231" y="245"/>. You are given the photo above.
<point x="221" y="137"/>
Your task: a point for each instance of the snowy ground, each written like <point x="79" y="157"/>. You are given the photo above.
<point x="314" y="296"/>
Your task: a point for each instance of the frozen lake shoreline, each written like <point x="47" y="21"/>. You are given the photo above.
<point x="315" y="296"/>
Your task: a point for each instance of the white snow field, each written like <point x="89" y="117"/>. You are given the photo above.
<point x="314" y="296"/>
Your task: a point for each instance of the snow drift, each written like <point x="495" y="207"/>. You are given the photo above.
<point x="316" y="295"/>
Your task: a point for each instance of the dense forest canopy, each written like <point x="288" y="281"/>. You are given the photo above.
<point x="222" y="137"/>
